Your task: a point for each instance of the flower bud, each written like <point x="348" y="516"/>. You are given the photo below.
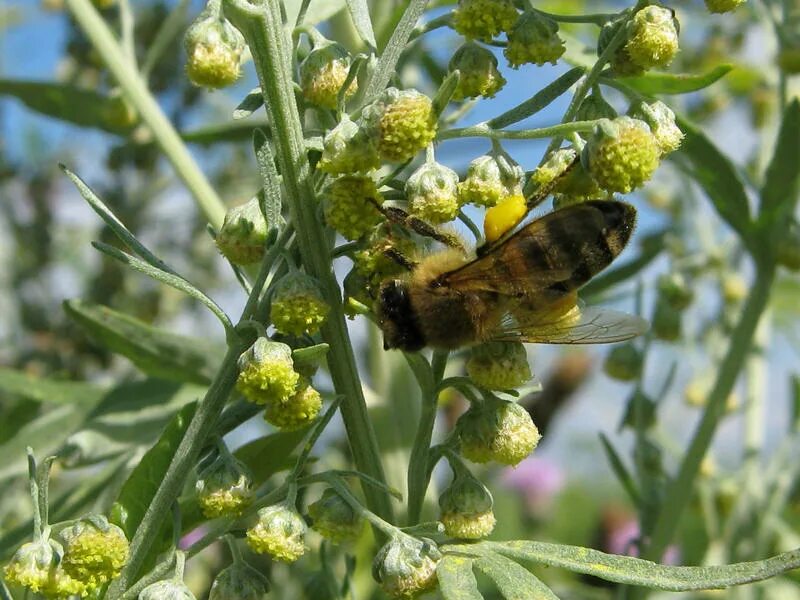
<point x="324" y="72"/>
<point x="621" y="154"/>
<point x="406" y="567"/>
<point x="347" y="148"/>
<point x="490" y="179"/>
<point x="653" y="37"/>
<point x="266" y="372"/>
<point x="621" y="62"/>
<point x="554" y="167"/>
<point x="298" y="411"/>
<point x="734" y="288"/>
<point x="499" y="365"/>
<point x="477" y="67"/>
<point x="534" y="39"/>
<point x="350" y="205"/>
<point x="239" y="581"/>
<point x="279" y="532"/>
<point x="624" y="362"/>
<point x="504" y="216"/>
<point x="402" y="122"/>
<point x="297" y="305"/>
<point x="94" y="551"/>
<point x="498" y="430"/>
<point x="466" y="507"/>
<point x="662" y="124"/>
<point x="32" y="566"/>
<point x="432" y="192"/>
<point x="674" y="290"/>
<point x="243" y="236"/>
<point x="224" y="488"/>
<point x="169" y="589"/>
<point x="483" y="19"/>
<point x="334" y="519"/>
<point x="666" y="321"/>
<point x="723" y="6"/>
<point x="594" y="107"/>
<point x="214" y="48"/>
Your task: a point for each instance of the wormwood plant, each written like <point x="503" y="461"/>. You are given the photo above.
<point x="348" y="151"/>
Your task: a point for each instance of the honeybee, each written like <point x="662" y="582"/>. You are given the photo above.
<point x="521" y="288"/>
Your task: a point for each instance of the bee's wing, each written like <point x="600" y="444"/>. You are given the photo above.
<point x="552" y="256"/>
<point x="592" y="326"/>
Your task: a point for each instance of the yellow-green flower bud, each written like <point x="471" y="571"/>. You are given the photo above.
<point x="490" y="179"/>
<point x="296" y="412"/>
<point x="723" y="6"/>
<point x="662" y="124"/>
<point x="32" y="566"/>
<point x="432" y="193"/>
<point x="266" y="372"/>
<point x="297" y="305"/>
<point x="169" y="589"/>
<point x="666" y="321"/>
<point x="334" y="519"/>
<point x="466" y="507"/>
<point x="239" y="581"/>
<point x="94" y="551"/>
<point x="621" y="62"/>
<point x="653" y="37"/>
<point x="498" y="431"/>
<point x="280" y="532"/>
<point x="556" y="164"/>
<point x="224" y="488"/>
<point x="483" y="19"/>
<point x="373" y="264"/>
<point x="534" y="39"/>
<point x="674" y="290"/>
<point x="324" y="72"/>
<point x="214" y="48"/>
<point x="624" y="362"/>
<point x="499" y="365"/>
<point x="402" y="122"/>
<point x="347" y="148"/>
<point x="477" y="67"/>
<point x="734" y="288"/>
<point x="406" y="567"/>
<point x="350" y="205"/>
<point x="243" y="236"/>
<point x="621" y="154"/>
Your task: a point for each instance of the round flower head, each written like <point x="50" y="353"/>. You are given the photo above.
<point x="499" y="431"/>
<point x="534" y="39"/>
<point x="347" y="148"/>
<point x="239" y="581"/>
<point x="490" y="179"/>
<point x="296" y="412"/>
<point x="483" y="19"/>
<point x="94" y="551"/>
<point x="621" y="62"/>
<point x="402" y="122"/>
<point x="554" y="167"/>
<point x="466" y="507"/>
<point x="673" y="289"/>
<point x="499" y="365"/>
<point x="350" y="205"/>
<point x="324" y="72"/>
<point x="595" y="107"/>
<point x="169" y="589"/>
<point x="224" y="488"/>
<point x="666" y="321"/>
<point x="280" y="532"/>
<point x="33" y="565"/>
<point x="477" y="67"/>
<point x="734" y="288"/>
<point x="243" y="236"/>
<point x="405" y="567"/>
<point x="723" y="6"/>
<point x="432" y="192"/>
<point x="662" y="124"/>
<point x="297" y="305"/>
<point x="653" y="37"/>
<point x="334" y="519"/>
<point x="621" y="154"/>
<point x="214" y="48"/>
<point x="624" y="362"/>
<point x="266" y="372"/>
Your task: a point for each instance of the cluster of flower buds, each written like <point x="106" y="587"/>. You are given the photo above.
<point x="280" y="531"/>
<point x="651" y="40"/>
<point x="324" y="72"/>
<point x="297" y="306"/>
<point x="723" y="6"/>
<point x="405" y="567"/>
<point x="334" y="519"/>
<point x="497" y="431"/>
<point x="239" y="581"/>
<point x="242" y="238"/>
<point x="225" y="487"/>
<point x="214" y="49"/>
<point x="499" y="365"/>
<point x="466" y="506"/>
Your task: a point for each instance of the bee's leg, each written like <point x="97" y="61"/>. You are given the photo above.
<point x="401" y="259"/>
<point x="401" y="217"/>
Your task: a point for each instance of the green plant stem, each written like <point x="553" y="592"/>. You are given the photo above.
<point x="136" y="92"/>
<point x="262" y="28"/>
<point x="680" y="489"/>
<point x="483" y="130"/>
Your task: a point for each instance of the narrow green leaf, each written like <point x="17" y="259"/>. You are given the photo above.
<point x="359" y="12"/>
<point x="68" y="103"/>
<point x="514" y="581"/>
<point x="270" y="180"/>
<point x="48" y="391"/>
<point x="155" y="352"/>
<point x="250" y="104"/>
<point x="620" y="470"/>
<point x="540" y="100"/>
<point x="229" y="131"/>
<point x="456" y="578"/>
<point x="654" y="83"/>
<point x="635" y="571"/>
<point x="271" y="454"/>
<point x="782" y="181"/>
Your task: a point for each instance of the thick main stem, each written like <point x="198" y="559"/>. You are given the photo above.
<point x="260" y="23"/>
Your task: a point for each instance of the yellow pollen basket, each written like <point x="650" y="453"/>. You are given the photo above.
<point x="504" y="217"/>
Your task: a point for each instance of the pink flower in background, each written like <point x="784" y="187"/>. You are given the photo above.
<point x="195" y="535"/>
<point x="621" y="535"/>
<point x="537" y="479"/>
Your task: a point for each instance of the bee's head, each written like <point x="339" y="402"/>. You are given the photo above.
<point x="397" y="319"/>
